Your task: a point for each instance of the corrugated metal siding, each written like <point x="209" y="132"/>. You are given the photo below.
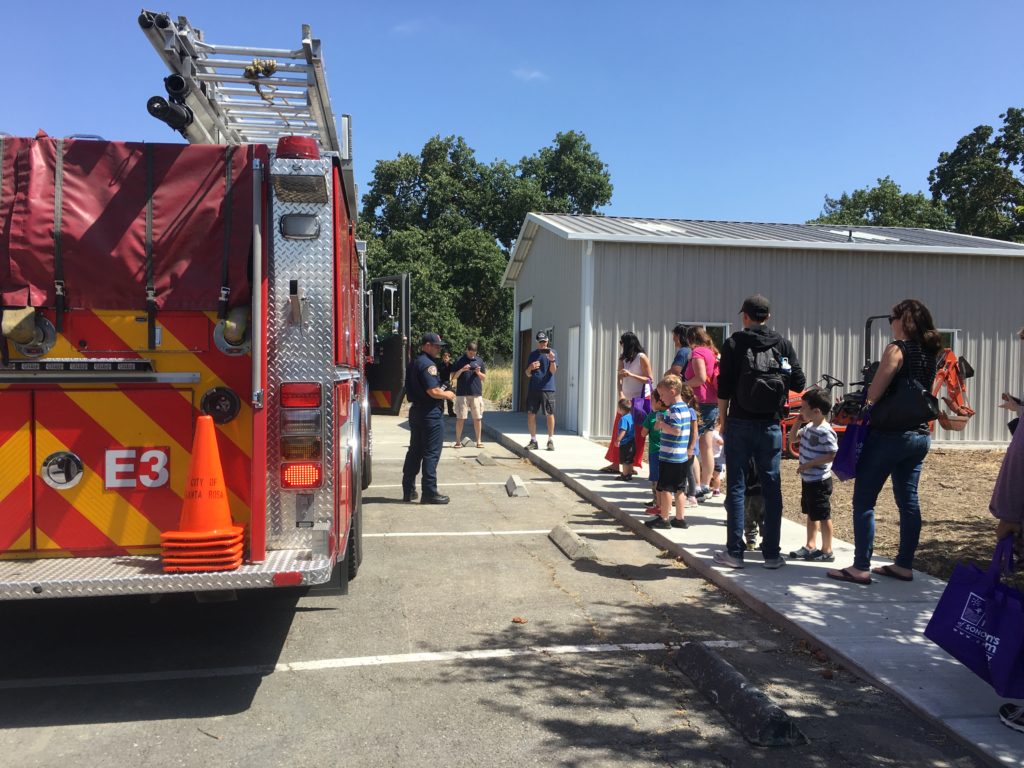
<point x="551" y="278"/>
<point x="820" y="300"/>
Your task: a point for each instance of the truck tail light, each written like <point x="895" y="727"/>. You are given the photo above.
<point x="301" y="395"/>
<point x="302" y="421"/>
<point x="301" y="474"/>
<point x="295" y="448"/>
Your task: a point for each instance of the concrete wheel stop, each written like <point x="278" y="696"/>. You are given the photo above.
<point x="571" y="544"/>
<point x="759" y="720"/>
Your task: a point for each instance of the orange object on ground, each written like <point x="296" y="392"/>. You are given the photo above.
<point x="207" y="539"/>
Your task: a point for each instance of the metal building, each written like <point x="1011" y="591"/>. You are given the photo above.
<point x="586" y="279"/>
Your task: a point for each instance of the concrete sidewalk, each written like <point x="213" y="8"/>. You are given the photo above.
<point x="876" y="630"/>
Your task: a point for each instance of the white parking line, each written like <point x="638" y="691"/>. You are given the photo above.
<point x="455" y="533"/>
<point x="443" y="485"/>
<point x="343" y="663"/>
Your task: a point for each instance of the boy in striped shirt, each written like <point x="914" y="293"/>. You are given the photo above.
<point x="818" y="446"/>
<point x="678" y="441"/>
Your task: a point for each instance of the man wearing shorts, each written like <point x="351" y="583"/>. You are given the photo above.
<point x="541" y="366"/>
<point x="469" y="372"/>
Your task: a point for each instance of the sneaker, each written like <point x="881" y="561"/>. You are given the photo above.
<point x="721" y="557"/>
<point x="802" y="553"/>
<point x="771" y="563"/>
<point x="817" y="556"/>
<point x="1012" y="716"/>
<point x="532" y="445"/>
<point x="691" y="501"/>
<point x="676" y="523"/>
<point x="551" y="445"/>
<point x="657" y="522"/>
<point x="751" y="542"/>
<point x="652" y="509"/>
<point x="715" y="494"/>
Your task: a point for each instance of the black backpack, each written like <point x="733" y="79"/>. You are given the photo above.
<point x="762" y="386"/>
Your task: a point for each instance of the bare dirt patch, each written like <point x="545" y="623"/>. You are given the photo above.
<point x="955" y="489"/>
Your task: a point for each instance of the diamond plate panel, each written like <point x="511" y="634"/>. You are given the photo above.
<point x="142" y="575"/>
<point x="300" y="352"/>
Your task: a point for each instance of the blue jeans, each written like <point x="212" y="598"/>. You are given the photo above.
<point x="901" y="455"/>
<point x="761" y="441"/>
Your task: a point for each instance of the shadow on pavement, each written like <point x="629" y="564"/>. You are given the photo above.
<point x="91" y="638"/>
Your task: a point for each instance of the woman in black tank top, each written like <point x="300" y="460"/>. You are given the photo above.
<point x="899" y="455"/>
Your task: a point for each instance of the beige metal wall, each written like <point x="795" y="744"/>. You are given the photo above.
<point x="820" y="300"/>
<point x="551" y="278"/>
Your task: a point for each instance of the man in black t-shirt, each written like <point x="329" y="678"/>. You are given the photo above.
<point x="470" y="372"/>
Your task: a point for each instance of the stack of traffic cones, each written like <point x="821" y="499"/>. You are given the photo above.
<point x="208" y="539"/>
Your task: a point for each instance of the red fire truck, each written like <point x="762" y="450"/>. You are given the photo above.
<point x="143" y="285"/>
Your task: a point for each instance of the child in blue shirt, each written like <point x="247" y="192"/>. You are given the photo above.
<point x="625" y="440"/>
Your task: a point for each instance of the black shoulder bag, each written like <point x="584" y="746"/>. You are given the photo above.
<point x="907" y="404"/>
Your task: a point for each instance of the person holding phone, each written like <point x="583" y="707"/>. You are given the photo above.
<point x="469" y="372"/>
<point x="541" y="366"/>
<point x="1007" y="506"/>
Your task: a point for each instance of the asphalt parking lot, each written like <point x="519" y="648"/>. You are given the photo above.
<point x="467" y="639"/>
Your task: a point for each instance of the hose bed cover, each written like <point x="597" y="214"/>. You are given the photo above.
<point x="103" y="194"/>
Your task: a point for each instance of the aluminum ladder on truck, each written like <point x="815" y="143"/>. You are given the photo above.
<point x="229" y="94"/>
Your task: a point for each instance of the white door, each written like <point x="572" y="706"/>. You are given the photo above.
<point x="572" y="392"/>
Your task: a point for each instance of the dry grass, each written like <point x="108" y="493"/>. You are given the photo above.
<point x="498" y="386"/>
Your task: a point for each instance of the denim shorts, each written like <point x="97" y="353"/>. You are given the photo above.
<point x="708" y="417"/>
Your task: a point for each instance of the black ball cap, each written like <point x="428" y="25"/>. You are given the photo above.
<point x="431" y="338"/>
<point x="756" y="307"/>
<point x="541" y="336"/>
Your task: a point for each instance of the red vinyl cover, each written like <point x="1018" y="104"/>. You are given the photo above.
<point x="103" y="223"/>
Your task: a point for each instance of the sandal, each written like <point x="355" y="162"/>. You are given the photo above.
<point x="611" y="469"/>
<point x="800" y="554"/>
<point x="457" y="446"/>
<point x="479" y="445"/>
<point x="892" y="573"/>
<point x="845" y="575"/>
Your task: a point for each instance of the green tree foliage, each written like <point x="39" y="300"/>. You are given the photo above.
<point x="885" y="205"/>
<point x="451" y="221"/>
<point x="980" y="182"/>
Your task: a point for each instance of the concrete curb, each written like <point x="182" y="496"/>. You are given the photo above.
<point x="759" y="719"/>
<point x="706" y="570"/>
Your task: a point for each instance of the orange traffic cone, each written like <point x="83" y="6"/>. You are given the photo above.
<point x="207" y="539"/>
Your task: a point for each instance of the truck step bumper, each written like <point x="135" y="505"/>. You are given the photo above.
<point x="143" y="575"/>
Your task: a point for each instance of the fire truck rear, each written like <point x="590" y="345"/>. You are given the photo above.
<point x="143" y="286"/>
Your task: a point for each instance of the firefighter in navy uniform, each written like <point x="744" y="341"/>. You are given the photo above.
<point x="426" y="423"/>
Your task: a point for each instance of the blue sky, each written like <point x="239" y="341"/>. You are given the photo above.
<point x="743" y="110"/>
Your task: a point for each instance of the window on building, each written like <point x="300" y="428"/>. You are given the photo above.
<point x="950" y="338"/>
<point x="718" y="332"/>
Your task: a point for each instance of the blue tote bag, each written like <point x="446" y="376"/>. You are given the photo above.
<point x="980" y="622"/>
<point x="844" y="466"/>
